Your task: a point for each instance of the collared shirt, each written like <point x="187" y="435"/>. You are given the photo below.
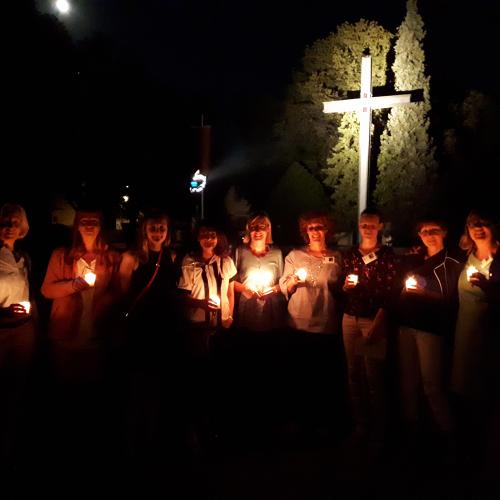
<point x="207" y="280"/>
<point x="14" y="287"/>
<point x="377" y="281"/>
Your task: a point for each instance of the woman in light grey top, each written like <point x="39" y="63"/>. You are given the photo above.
<point x="310" y="278"/>
<point x="261" y="304"/>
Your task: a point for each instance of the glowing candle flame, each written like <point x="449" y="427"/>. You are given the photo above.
<point x="353" y="279"/>
<point x="90" y="277"/>
<point x="301" y="274"/>
<point x="259" y="280"/>
<point x="215" y="299"/>
<point x="411" y="283"/>
<point x="26" y="305"/>
<point x="470" y="271"/>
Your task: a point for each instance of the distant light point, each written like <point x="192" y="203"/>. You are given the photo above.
<point x="63" y="6"/>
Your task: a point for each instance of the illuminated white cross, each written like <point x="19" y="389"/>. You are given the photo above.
<point x="364" y="106"/>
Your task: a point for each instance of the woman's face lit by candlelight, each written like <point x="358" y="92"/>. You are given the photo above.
<point x="207" y="237"/>
<point x="156" y="232"/>
<point x="89" y="225"/>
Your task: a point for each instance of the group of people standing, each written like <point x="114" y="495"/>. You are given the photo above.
<point x="303" y="324"/>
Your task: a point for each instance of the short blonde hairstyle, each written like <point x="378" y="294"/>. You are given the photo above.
<point x="253" y="219"/>
<point x="11" y="209"/>
<point x="466" y="242"/>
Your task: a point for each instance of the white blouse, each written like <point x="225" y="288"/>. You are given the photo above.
<point x="207" y="280"/>
<point x="14" y="286"/>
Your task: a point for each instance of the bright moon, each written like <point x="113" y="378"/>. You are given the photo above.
<point x="62" y="6"/>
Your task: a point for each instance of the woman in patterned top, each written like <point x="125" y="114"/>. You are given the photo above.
<point x="369" y="272"/>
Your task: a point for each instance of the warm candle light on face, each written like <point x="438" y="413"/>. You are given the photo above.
<point x="352" y="279"/>
<point x="90" y="277"/>
<point x="301" y="274"/>
<point x="411" y="283"/>
<point x="26" y="305"/>
<point x="470" y="271"/>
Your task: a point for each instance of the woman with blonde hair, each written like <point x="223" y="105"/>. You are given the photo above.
<point x="17" y="330"/>
<point x="259" y="266"/>
<point x="148" y="282"/>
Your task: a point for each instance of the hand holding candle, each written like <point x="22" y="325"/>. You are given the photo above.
<point x="90" y="277"/>
<point x="214" y="302"/>
<point x="411" y="284"/>
<point x="27" y="306"/>
<point x="301" y="274"/>
<point x="471" y="270"/>
<point x="351" y="281"/>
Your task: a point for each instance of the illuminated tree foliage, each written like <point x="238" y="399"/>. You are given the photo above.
<point x="327" y="145"/>
<point x="406" y="164"/>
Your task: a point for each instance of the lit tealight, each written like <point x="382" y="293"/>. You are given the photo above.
<point x="90" y="277"/>
<point x="411" y="283"/>
<point x="27" y="306"/>
<point x="470" y="271"/>
<point x="215" y="299"/>
<point x="353" y="279"/>
<point x="301" y="274"/>
<point x="259" y="280"/>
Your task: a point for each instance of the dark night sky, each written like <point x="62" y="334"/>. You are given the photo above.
<point x="231" y="61"/>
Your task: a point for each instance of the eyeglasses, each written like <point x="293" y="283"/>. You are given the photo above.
<point x="478" y="224"/>
<point x="259" y="227"/>
<point x="430" y="232"/>
<point x="316" y="228"/>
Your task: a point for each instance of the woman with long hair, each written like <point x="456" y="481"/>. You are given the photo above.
<point x="475" y="375"/>
<point x="148" y="279"/>
<point x="82" y="282"/>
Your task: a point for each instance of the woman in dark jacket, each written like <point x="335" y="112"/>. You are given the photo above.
<point x="426" y="313"/>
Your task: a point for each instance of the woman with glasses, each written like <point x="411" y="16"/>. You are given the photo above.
<point x="17" y="330"/>
<point x="311" y="284"/>
<point x="426" y="313"/>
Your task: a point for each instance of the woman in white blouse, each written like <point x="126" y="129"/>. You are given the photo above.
<point x="208" y="290"/>
<point x="17" y="332"/>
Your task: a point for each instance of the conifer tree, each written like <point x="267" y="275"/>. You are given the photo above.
<point x="406" y="164"/>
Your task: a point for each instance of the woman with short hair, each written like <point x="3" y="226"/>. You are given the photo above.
<point x="17" y="330"/>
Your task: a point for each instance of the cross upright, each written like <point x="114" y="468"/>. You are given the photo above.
<point x="364" y="105"/>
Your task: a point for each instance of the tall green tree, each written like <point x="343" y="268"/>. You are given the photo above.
<point x="406" y="163"/>
<point x="327" y="145"/>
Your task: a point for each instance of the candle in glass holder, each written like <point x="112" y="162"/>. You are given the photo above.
<point x="470" y="271"/>
<point x="353" y="279"/>
<point x="411" y="283"/>
<point x="27" y="306"/>
<point x="90" y="277"/>
<point x="301" y="274"/>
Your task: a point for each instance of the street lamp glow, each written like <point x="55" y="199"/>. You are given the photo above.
<point x="198" y="182"/>
<point x="125" y="198"/>
<point x="63" y="6"/>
